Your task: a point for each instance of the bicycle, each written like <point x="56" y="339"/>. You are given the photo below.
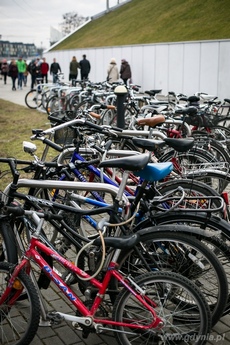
<point x="202" y="254"/>
<point x="138" y="312"/>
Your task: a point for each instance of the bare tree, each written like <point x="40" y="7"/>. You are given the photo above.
<point x="71" y="21"/>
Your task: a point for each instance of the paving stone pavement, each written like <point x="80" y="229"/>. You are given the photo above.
<point x="65" y="334"/>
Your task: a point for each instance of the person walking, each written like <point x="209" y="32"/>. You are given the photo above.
<point x="21" y="70"/>
<point x="4" y="70"/>
<point x="34" y="70"/>
<point x="13" y="73"/>
<point x="112" y="72"/>
<point x="85" y="68"/>
<point x="44" y="67"/>
<point x="54" y="69"/>
<point x="25" y="74"/>
<point x="125" y="71"/>
<point x="73" y="69"/>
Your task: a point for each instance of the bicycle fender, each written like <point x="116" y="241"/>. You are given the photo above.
<point x="179" y="228"/>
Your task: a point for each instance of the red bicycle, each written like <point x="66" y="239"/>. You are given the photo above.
<point x="157" y="307"/>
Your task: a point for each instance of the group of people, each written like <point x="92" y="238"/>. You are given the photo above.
<point x="39" y="68"/>
<point x="17" y="69"/>
<point x="84" y="67"/>
<point x="114" y="74"/>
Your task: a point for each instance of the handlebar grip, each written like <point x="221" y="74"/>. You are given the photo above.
<point x="16" y="210"/>
<point x="52" y="216"/>
<point x="93" y="125"/>
<point x="50" y="164"/>
<point x="53" y="145"/>
<point x="55" y="119"/>
<point x="87" y="163"/>
<point x="116" y="129"/>
<point x="99" y="149"/>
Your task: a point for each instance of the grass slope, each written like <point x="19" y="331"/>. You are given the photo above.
<point x="154" y="21"/>
<point x="16" y="124"/>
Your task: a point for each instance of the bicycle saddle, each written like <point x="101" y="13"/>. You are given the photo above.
<point x="148" y="144"/>
<point x="180" y="145"/>
<point x="132" y="163"/>
<point x="153" y="92"/>
<point x="127" y="242"/>
<point x="189" y="111"/>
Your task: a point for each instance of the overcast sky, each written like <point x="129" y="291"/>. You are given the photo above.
<point x="29" y="21"/>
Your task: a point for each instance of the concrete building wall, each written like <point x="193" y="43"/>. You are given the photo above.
<point x="185" y="67"/>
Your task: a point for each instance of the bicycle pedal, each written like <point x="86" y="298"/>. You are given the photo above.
<point x="77" y="326"/>
<point x="55" y="318"/>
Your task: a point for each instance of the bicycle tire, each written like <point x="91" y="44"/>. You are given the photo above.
<point x="33" y="99"/>
<point x="109" y="118"/>
<point x="221" y="133"/>
<point x="192" y="188"/>
<point x="163" y="288"/>
<point x="8" y="248"/>
<point x="18" y="321"/>
<point x="73" y="102"/>
<point x="83" y="105"/>
<point x="218" y="180"/>
<point x="184" y="254"/>
<point x="218" y="244"/>
<point x="45" y="97"/>
<point x="52" y="105"/>
<point x="212" y="146"/>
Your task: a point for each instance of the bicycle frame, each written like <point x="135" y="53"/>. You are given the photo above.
<point x="97" y="172"/>
<point x="88" y="314"/>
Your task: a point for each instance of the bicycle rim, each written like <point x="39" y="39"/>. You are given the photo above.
<point x="18" y="322"/>
<point x="179" y="303"/>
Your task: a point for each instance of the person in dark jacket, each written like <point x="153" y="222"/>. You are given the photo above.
<point x="54" y="69"/>
<point x="4" y="69"/>
<point x="34" y="70"/>
<point x="73" y="69"/>
<point x="13" y="73"/>
<point x="85" y="68"/>
<point x="125" y="71"/>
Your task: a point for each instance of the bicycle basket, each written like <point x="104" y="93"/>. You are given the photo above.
<point x="194" y="120"/>
<point x="64" y="136"/>
<point x="203" y="120"/>
<point x="211" y="120"/>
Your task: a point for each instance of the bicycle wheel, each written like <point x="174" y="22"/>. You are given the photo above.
<point x="212" y="146"/>
<point x="109" y="117"/>
<point x="45" y="97"/>
<point x="180" y="304"/>
<point x="216" y="179"/>
<point x="19" y="320"/>
<point x="52" y="105"/>
<point x="192" y="188"/>
<point x="8" y="248"/>
<point x="184" y="254"/>
<point x="33" y="99"/>
<point x="219" y="244"/>
<point x="73" y="102"/>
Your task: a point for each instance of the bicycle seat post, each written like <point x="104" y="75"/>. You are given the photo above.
<point x="39" y="223"/>
<point x="122" y="186"/>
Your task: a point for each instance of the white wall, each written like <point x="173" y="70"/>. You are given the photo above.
<point x="186" y="67"/>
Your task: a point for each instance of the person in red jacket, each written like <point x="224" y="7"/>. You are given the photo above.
<point x="44" y="68"/>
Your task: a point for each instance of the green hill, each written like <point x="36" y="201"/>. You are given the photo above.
<point x="154" y="21"/>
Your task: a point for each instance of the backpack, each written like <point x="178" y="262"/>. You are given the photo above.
<point x="4" y="68"/>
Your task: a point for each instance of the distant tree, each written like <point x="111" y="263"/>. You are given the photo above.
<point x="71" y="21"/>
